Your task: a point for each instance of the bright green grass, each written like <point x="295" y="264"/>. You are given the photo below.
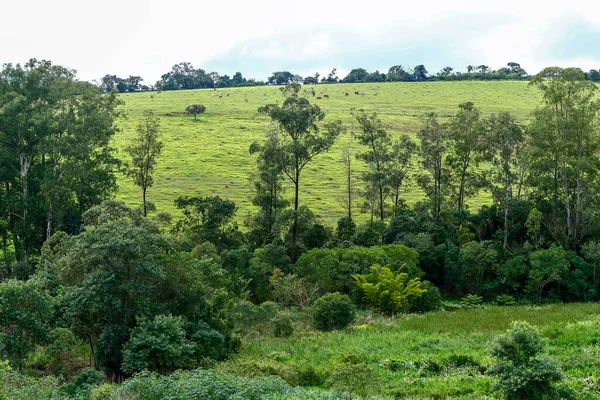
<point x="210" y="156"/>
<point x="572" y="332"/>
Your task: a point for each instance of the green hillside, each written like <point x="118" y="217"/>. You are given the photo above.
<point x="210" y="156"/>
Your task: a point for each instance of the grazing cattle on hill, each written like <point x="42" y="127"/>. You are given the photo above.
<point x="375" y="94"/>
<point x="326" y="96"/>
<point x="346" y="94"/>
<point x="158" y="92"/>
<point x="220" y="96"/>
<point x="151" y="96"/>
<point x="319" y="98"/>
<point x="212" y="95"/>
<point x="246" y="100"/>
<point x="356" y="93"/>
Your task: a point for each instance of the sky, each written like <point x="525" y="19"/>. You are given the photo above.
<point x="257" y="37"/>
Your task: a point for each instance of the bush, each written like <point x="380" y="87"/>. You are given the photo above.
<point x="471" y="300"/>
<point x="87" y="379"/>
<point x="157" y="345"/>
<point x="333" y="311"/>
<point x="353" y="378"/>
<point x="282" y="324"/>
<point x="268" y="310"/>
<point x="505" y="300"/>
<point x="523" y="374"/>
<point x="103" y="392"/>
<point x="431" y="300"/>
<point x="207" y="343"/>
<point x="387" y="291"/>
<point x="244" y="314"/>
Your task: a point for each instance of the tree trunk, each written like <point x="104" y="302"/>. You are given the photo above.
<point x="295" y="224"/>
<point x="144" y="201"/>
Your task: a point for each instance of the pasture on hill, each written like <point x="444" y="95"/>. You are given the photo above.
<point x="209" y="156"/>
<point x="436" y="355"/>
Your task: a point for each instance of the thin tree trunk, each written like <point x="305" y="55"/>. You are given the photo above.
<point x="295" y="225"/>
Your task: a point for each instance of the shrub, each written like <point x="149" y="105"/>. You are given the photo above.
<point x="282" y="324"/>
<point x="471" y="300"/>
<point x="333" y="311"/>
<point x="431" y="300"/>
<point x="353" y="378"/>
<point x="505" y="300"/>
<point x="244" y="314"/>
<point x="523" y="374"/>
<point x="387" y="291"/>
<point x="207" y="342"/>
<point x="105" y="391"/>
<point x="268" y="310"/>
<point x="87" y="379"/>
<point x="157" y="345"/>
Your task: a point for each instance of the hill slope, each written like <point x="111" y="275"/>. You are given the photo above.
<point x="210" y="156"/>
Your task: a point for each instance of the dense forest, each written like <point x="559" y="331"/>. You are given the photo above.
<point x="88" y="281"/>
<point x="185" y="76"/>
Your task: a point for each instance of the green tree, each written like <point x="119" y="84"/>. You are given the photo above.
<point x="377" y="156"/>
<point x="157" y="345"/>
<point x="195" y="109"/>
<point x="401" y="158"/>
<point x="55" y="155"/>
<point x="144" y="150"/>
<point x="207" y="218"/>
<point x="435" y="142"/>
<point x="478" y="261"/>
<point x="302" y="140"/>
<point x="466" y="151"/>
<point x="569" y="113"/>
<point x="547" y="266"/>
<point x="24" y="319"/>
<point x="505" y="140"/>
<point x="268" y="187"/>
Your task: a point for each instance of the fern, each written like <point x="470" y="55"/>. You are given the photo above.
<point x="388" y="291"/>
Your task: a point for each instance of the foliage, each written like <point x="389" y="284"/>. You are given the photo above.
<point x="387" y="291"/>
<point x="523" y="373"/>
<point x="471" y="300"/>
<point x="201" y="385"/>
<point x="505" y="300"/>
<point x="24" y="319"/>
<point x="282" y="324"/>
<point x="144" y="150"/>
<point x="333" y="311"/>
<point x="195" y="109"/>
<point x="157" y="345"/>
<point x="431" y="300"/>
<point x="332" y="269"/>
<point x="290" y="289"/>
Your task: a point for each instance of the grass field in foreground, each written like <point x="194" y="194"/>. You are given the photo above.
<point x="209" y="156"/>
<point x="416" y="344"/>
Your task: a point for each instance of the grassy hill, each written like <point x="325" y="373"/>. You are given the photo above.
<point x="437" y="355"/>
<point x="209" y="156"/>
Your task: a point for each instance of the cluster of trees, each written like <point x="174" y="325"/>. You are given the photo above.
<point x="143" y="291"/>
<point x="185" y="76"/>
<point x="123" y="85"/>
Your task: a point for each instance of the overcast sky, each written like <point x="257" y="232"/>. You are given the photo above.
<point x="131" y="37"/>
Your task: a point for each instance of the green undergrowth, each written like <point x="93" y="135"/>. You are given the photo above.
<point x="436" y="355"/>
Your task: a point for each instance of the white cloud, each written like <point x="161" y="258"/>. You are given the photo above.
<point x="147" y="37"/>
